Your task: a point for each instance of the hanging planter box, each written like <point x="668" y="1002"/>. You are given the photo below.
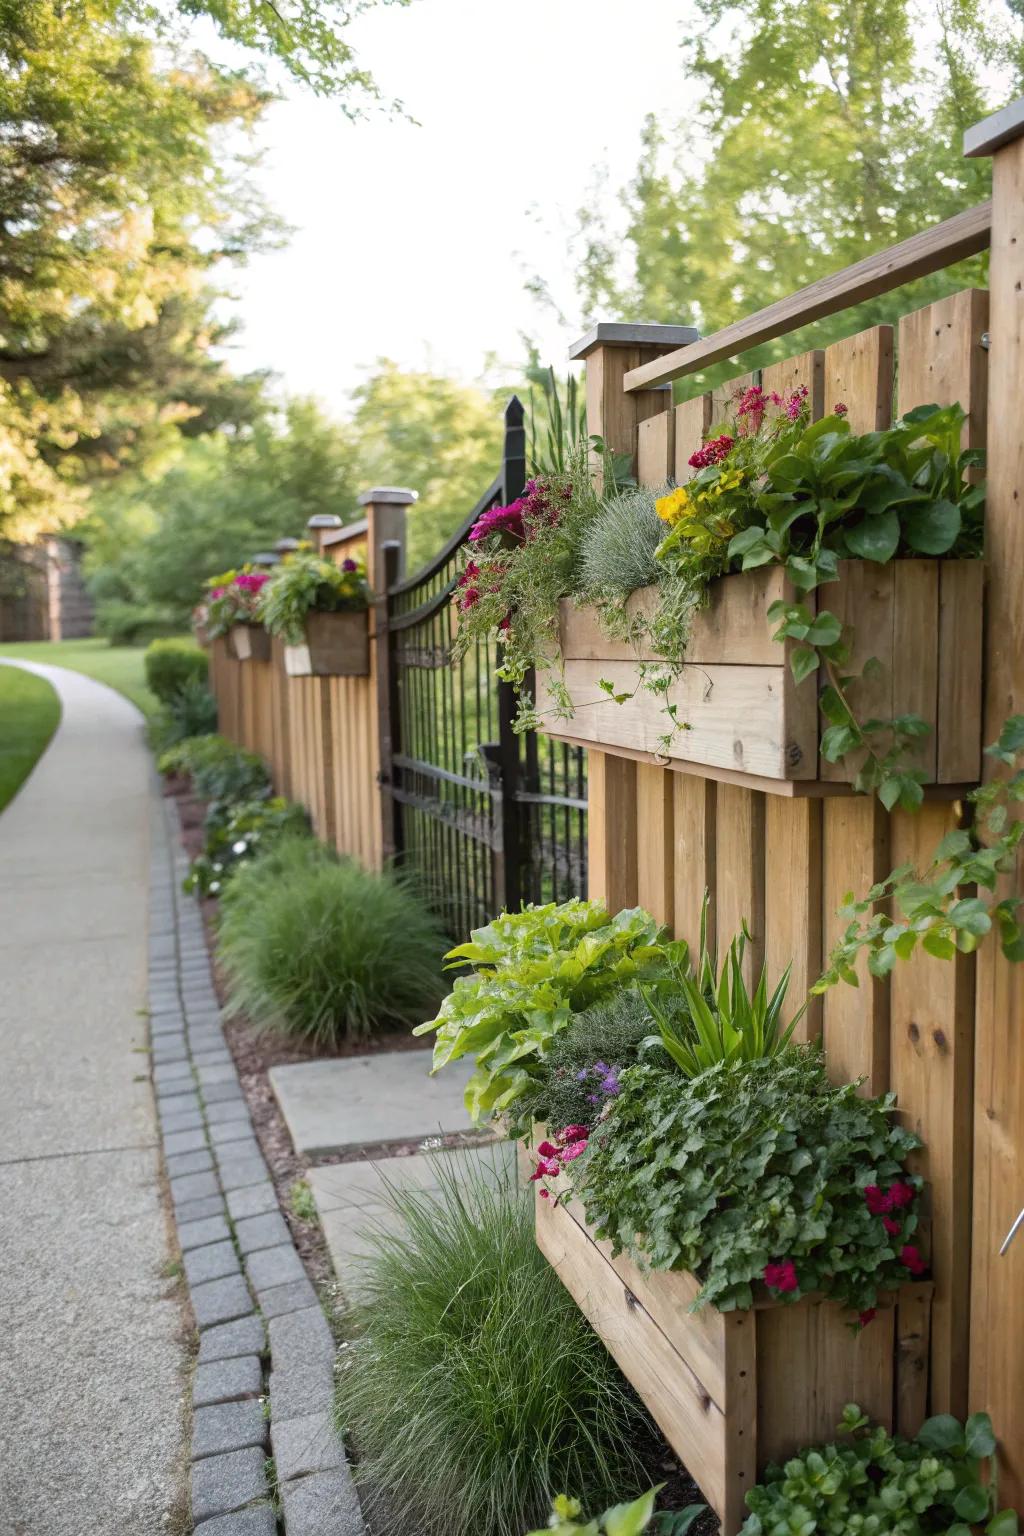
<point x="249" y="642"/>
<point x="336" y="645"/>
<point x="735" y="696"/>
<point x="732" y="1391"/>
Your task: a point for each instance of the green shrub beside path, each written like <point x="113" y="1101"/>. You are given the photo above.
<point x="29" y="715"/>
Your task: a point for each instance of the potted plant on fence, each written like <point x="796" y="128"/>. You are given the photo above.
<point x="231" y="609"/>
<point x="319" y="610"/>
<point x="741" y="1233"/>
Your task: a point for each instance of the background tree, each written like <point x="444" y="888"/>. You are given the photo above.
<point x="815" y="132"/>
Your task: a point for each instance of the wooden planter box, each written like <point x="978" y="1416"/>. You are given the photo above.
<point x="337" y="645"/>
<point x="732" y="1391"/>
<point x="249" y="642"/>
<point x="747" y="718"/>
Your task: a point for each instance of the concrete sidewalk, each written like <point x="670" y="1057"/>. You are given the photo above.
<point x="91" y="1354"/>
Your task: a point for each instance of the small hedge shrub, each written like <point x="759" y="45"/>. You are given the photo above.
<point x="190" y="713"/>
<point x="475" y="1389"/>
<point x="171" y="665"/>
<point x="319" y="948"/>
<point x="218" y="769"/>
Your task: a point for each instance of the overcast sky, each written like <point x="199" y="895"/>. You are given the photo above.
<point x="412" y="242"/>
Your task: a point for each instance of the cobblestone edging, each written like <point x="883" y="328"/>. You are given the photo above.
<point x="261" y="1328"/>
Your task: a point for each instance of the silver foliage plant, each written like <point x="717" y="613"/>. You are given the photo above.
<point x="618" y="555"/>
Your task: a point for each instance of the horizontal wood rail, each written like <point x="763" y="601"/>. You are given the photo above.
<point x="930" y="251"/>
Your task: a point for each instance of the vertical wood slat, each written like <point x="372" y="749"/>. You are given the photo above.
<point x="694" y="850"/>
<point x="655" y="454"/>
<point x="740" y="872"/>
<point x="655" y="842"/>
<point x="612" y="830"/>
<point x="793" y="898"/>
<point x="804" y="372"/>
<point x="932" y="1073"/>
<point x="855" y="1020"/>
<point x="693" y="421"/>
<point x="859" y="374"/>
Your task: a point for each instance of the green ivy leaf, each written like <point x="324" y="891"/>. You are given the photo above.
<point x="978" y="1435"/>
<point x="1003" y="1524"/>
<point x="803" y="661"/>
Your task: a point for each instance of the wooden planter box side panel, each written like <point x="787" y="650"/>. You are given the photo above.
<point x="920" y="619"/>
<point x="336" y="645"/>
<point x="249" y="642"/>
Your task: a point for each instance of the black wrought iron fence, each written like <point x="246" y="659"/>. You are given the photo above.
<point x="486" y="818"/>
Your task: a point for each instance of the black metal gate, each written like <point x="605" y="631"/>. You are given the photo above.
<point x="486" y="819"/>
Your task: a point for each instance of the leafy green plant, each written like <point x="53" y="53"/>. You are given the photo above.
<point x="931" y="910"/>
<point x="322" y="949"/>
<point x="190" y="715"/>
<point x="941" y="1483"/>
<point x="172" y="664"/>
<point x="756" y="1174"/>
<point x="557" y="421"/>
<point x="231" y="598"/>
<point x="222" y="771"/>
<point x="532" y="970"/>
<point x="621" y="1520"/>
<point x="474" y="1385"/>
<point x="236" y="832"/>
<point x="304" y="583"/>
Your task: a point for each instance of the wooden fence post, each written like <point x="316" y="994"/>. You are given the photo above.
<point x="997" y="1296"/>
<point x="610" y="351"/>
<point x="385" y="508"/>
<point x="318" y="526"/>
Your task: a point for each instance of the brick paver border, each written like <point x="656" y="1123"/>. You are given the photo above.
<point x="263" y="1336"/>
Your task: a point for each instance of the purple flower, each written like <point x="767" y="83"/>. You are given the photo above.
<point x="582" y="1075"/>
<point x="610" y="1084"/>
<point x="349" y="565"/>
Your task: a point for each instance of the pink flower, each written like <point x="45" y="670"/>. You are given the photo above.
<point x="505" y="623"/>
<point x="891" y="1225"/>
<point x="471" y="573"/>
<point x="839" y="409"/>
<point x="795" y="403"/>
<point x="900" y="1195"/>
<point x="781" y="1276"/>
<point x="911" y="1257"/>
<point x="251" y="581"/>
<point x="469" y="599"/>
<point x="712" y="452"/>
<point x="550" y="1167"/>
<point x="574" y="1133"/>
<point x="867" y="1316"/>
<point x="547" y="1150"/>
<point x="544" y="1195"/>
<point x="574" y="1150"/>
<point x="216" y="592"/>
<point x="877" y="1202"/>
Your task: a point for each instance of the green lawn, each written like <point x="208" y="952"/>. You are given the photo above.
<point x="120" y="666"/>
<point x="29" y="712"/>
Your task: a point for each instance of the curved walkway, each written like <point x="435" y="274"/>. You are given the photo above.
<point x="91" y="1357"/>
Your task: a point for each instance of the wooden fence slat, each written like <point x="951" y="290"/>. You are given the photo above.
<point x="655" y="453"/>
<point x="655" y="842"/>
<point x="855" y="1020"/>
<point x="932" y="1073"/>
<point x="793" y="896"/>
<point x="859" y="375"/>
<point x="694" y="849"/>
<point x="693" y="419"/>
<point x="740" y="871"/>
<point x="612" y="830"/>
<point x="915" y="666"/>
<point x="804" y="372"/>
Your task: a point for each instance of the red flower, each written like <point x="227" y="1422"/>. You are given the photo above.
<point x="877" y="1202"/>
<point x="900" y="1195"/>
<point x="547" y="1150"/>
<point x="839" y="409"/>
<point x="469" y="599"/>
<point x="910" y="1256"/>
<point x="549" y="1167"/>
<point x="712" y="452"/>
<point x="544" y="1195"/>
<point x="867" y="1316"/>
<point x="574" y="1133"/>
<point x="505" y="623"/>
<point x="891" y="1225"/>
<point x="781" y="1276"/>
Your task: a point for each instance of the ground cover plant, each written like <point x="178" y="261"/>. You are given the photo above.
<point x="319" y="948"/>
<point x="474" y="1388"/>
<point x="171" y="665"/>
<point x="29" y="715"/>
<point x="530" y="972"/>
<point x="238" y="831"/>
<point x="304" y="583"/>
<point x="942" y="1481"/>
<point x="218" y="769"/>
<point x="567" y="1518"/>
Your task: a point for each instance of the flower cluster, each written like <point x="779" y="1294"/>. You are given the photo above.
<point x="604" y="1078"/>
<point x="233" y="598"/>
<point x="520" y="519"/>
<point x="569" y="1144"/>
<point x="713" y="452"/>
<point x="900" y="1196"/>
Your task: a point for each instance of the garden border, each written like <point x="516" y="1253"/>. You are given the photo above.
<point x="246" y="1281"/>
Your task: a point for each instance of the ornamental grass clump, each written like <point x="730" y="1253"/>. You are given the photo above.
<point x="318" y="948"/>
<point x="758" y="1177"/>
<point x="474" y="1389"/>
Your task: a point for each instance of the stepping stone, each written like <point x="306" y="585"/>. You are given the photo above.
<point x="352" y="1201"/>
<point x="221" y="1381"/>
<point x="227" y="1427"/>
<point x="323" y="1504"/>
<point x="361" y="1101"/>
<point x="223" y="1483"/>
<point x="305" y="1445"/>
<point x="245" y="1336"/>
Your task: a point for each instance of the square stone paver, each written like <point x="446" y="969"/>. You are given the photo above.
<point x="228" y="1427"/>
<point x="245" y="1336"/>
<point x="309" y="1444"/>
<point x="323" y="1504"/>
<point x="361" y="1101"/>
<point x="352" y="1197"/>
<point x="223" y="1483"/>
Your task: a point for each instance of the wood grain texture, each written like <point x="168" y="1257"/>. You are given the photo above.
<point x="942" y="360"/>
<point x="806" y="371"/>
<point x="655" y="457"/>
<point x="864" y="603"/>
<point x="695" y="853"/>
<point x="855" y="1020"/>
<point x="612" y="831"/>
<point x="932" y="1074"/>
<point x="793" y="892"/>
<point x="913" y="1328"/>
<point x="961" y="646"/>
<point x="997" y="1289"/>
<point x="655" y="842"/>
<point x="930" y="251"/>
<point x="740" y="872"/>
<point x="915" y="653"/>
<point x="859" y="374"/>
<point x="693" y="419"/>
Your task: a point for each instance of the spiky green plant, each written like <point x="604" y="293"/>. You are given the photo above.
<point x="618" y="555"/>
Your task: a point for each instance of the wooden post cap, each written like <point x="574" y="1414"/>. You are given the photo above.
<point x="613" y="334"/>
<point x="993" y="132"/>
<point x="324" y="520"/>
<point x="286" y="546"/>
<point x="265" y="557"/>
<point x="388" y="495"/>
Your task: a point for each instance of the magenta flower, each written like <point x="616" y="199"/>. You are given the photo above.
<point x="867" y="1316"/>
<point x="574" y="1150"/>
<point x="901" y="1195"/>
<point x="349" y="565"/>
<point x="839" y="409"/>
<point x="712" y="452"/>
<point x="891" y="1225"/>
<point x="574" y="1132"/>
<point x="911" y="1257"/>
<point x="877" y="1202"/>
<point x="781" y="1276"/>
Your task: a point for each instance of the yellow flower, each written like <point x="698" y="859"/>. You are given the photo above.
<point x="674" y="506"/>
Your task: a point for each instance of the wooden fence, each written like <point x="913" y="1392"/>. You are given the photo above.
<point x="948" y="1038"/>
